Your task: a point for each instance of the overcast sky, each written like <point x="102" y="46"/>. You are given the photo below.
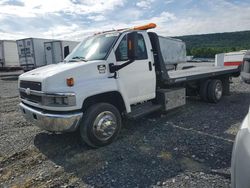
<point x="75" y="19"/>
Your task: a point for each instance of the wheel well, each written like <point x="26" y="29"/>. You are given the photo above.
<point x="113" y="97"/>
<point x="221" y="78"/>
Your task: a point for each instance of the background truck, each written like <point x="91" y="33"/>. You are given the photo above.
<point x="31" y="52"/>
<point x="8" y="54"/>
<point x="114" y="75"/>
<point x="240" y="167"/>
<point x="56" y="51"/>
<point x="245" y="70"/>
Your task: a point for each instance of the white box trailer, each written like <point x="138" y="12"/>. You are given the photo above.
<point x="234" y="58"/>
<point x="219" y="60"/>
<point x="173" y="51"/>
<point x="31" y="52"/>
<point x="56" y="51"/>
<point x="8" y="54"/>
<point x="230" y="58"/>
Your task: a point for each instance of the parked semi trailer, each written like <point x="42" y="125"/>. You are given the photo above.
<point x="31" y="53"/>
<point x="8" y="54"/>
<point x="110" y="76"/>
<point x="56" y="51"/>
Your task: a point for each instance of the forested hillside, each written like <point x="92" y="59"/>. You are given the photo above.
<point x="208" y="45"/>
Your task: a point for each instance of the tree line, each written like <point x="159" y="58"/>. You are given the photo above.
<point x="207" y="45"/>
<point x="210" y="52"/>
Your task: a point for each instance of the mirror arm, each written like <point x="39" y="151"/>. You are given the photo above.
<point x="113" y="68"/>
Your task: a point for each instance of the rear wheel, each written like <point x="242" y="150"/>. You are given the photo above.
<point x="215" y="91"/>
<point x="204" y="90"/>
<point x="100" y="125"/>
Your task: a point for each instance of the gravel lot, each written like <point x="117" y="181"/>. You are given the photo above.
<point x="187" y="147"/>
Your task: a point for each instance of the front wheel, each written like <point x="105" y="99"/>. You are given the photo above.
<point x="101" y="125"/>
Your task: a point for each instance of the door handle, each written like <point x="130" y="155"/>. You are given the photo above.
<point x="150" y="66"/>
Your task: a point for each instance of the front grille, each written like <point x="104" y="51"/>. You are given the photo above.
<point x="37" y="86"/>
<point x="32" y="98"/>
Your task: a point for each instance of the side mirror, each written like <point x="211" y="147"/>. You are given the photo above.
<point x="132" y="43"/>
<point x="132" y="40"/>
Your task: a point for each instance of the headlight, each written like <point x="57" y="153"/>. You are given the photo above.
<point x="59" y="100"/>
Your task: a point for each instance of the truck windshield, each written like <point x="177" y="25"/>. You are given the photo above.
<point x="92" y="48"/>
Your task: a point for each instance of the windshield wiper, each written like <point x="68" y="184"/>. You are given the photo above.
<point x="78" y="58"/>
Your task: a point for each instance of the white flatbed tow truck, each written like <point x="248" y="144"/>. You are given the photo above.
<point x="109" y="76"/>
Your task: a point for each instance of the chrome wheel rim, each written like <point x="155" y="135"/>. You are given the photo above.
<point x="105" y="125"/>
<point x="218" y="91"/>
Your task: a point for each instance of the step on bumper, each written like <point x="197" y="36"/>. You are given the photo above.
<point x="52" y="122"/>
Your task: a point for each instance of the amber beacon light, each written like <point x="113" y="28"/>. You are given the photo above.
<point x="70" y="82"/>
<point x="145" y="27"/>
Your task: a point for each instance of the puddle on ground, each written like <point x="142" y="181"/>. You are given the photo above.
<point x="165" y="155"/>
<point x="146" y="149"/>
<point x="233" y="129"/>
<point x="191" y="165"/>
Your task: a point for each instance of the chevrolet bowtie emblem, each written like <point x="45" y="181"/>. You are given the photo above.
<point x="27" y="91"/>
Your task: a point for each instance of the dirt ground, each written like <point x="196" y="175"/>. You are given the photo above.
<point x="187" y="147"/>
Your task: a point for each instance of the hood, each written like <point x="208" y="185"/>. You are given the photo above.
<point x="53" y="77"/>
<point x="50" y="70"/>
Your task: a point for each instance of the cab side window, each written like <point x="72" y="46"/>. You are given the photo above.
<point x="141" y="50"/>
<point x="121" y="52"/>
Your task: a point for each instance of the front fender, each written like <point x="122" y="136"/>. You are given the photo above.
<point x="93" y="87"/>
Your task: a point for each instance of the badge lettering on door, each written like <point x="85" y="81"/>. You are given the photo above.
<point x="101" y="68"/>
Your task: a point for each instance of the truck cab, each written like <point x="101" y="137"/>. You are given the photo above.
<point x="55" y="97"/>
<point x="112" y="75"/>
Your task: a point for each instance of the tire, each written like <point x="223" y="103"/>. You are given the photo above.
<point x="215" y="91"/>
<point x="95" y="128"/>
<point x="226" y="86"/>
<point x="204" y="90"/>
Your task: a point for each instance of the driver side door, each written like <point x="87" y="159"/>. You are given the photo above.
<point x="138" y="78"/>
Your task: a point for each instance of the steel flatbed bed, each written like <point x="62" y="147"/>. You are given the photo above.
<point x="187" y="72"/>
<point x="200" y="72"/>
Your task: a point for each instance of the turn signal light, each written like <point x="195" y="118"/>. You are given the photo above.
<point x="70" y="82"/>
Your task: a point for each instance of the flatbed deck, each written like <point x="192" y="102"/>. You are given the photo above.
<point x="187" y="72"/>
<point x="200" y="72"/>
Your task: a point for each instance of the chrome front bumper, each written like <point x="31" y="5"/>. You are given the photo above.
<point x="52" y="122"/>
